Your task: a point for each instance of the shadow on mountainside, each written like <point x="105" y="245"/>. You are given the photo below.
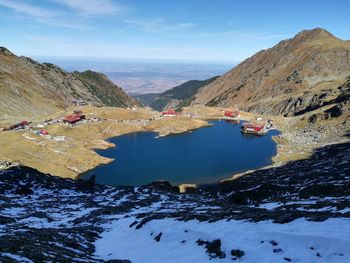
<point x="325" y="174"/>
<point x="347" y="134"/>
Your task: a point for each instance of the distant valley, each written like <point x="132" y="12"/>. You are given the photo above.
<point x="144" y="76"/>
<point x="177" y="97"/>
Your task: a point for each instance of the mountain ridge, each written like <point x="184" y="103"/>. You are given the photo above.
<point x="176" y="97"/>
<point x="268" y="81"/>
<point x="30" y="88"/>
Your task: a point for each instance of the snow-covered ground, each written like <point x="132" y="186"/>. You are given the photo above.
<point x="298" y="241"/>
<point x="296" y="213"/>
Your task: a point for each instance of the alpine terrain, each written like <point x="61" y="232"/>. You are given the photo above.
<point x="307" y="72"/>
<point x="30" y="89"/>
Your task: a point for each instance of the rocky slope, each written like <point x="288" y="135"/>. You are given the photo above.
<point x="177" y="97"/>
<point x="297" y="75"/>
<point x="295" y="213"/>
<point x="29" y="88"/>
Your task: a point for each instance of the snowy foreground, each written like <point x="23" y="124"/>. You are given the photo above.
<point x="298" y="241"/>
<point x="296" y="213"/>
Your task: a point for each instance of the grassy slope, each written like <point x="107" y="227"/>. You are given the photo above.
<point x="182" y="93"/>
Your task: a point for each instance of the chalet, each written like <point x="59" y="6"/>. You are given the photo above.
<point x="232" y="114"/>
<point x="74" y="118"/>
<point x="251" y="128"/>
<point x="169" y="113"/>
<point x="18" y="126"/>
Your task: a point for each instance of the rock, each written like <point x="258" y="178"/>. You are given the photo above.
<point x="188" y="189"/>
<point x="285" y="218"/>
<point x="164" y="186"/>
<point x="339" y="110"/>
<point x="277" y="250"/>
<point x="287" y="259"/>
<point x="213" y="248"/>
<point x="317" y="117"/>
<point x="237" y="253"/>
<point x="133" y="224"/>
<point x="157" y="237"/>
<point x="118" y="261"/>
<point x="23" y="190"/>
<point x="273" y="243"/>
<point x="4" y="220"/>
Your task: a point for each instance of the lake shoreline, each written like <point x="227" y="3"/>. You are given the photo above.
<point x="226" y="136"/>
<point x="64" y="158"/>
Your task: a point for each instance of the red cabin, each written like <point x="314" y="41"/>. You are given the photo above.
<point x="251" y="128"/>
<point x="24" y="123"/>
<point x="169" y="113"/>
<point x="232" y="114"/>
<point x="44" y="132"/>
<point x="74" y="118"/>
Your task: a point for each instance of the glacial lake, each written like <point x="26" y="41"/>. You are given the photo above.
<point x="202" y="156"/>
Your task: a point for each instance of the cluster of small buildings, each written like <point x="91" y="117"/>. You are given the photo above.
<point x="39" y="129"/>
<point x="256" y="129"/>
<point x="18" y="126"/>
<point x="249" y="127"/>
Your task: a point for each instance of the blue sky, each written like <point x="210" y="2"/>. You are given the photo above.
<point x="218" y="30"/>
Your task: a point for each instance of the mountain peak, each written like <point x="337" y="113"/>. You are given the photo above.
<point x="316" y="33"/>
<point x="5" y="51"/>
<point x="286" y="72"/>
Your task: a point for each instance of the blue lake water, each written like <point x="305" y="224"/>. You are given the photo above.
<point x="202" y="156"/>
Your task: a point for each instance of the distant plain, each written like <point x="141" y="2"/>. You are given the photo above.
<point x="140" y="76"/>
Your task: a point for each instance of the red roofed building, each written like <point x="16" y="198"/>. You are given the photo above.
<point x="232" y="114"/>
<point x="253" y="129"/>
<point x="169" y="113"/>
<point x="74" y="118"/>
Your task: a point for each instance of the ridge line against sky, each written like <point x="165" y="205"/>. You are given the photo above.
<point x="222" y="30"/>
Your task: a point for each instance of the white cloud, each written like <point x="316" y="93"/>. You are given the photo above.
<point x="158" y="25"/>
<point x="92" y="7"/>
<point x="45" y="16"/>
<point x="27" y="9"/>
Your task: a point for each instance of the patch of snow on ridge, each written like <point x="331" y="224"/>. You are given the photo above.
<point x="16" y="258"/>
<point x="298" y="241"/>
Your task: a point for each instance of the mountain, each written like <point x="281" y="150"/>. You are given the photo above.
<point x="295" y="76"/>
<point x="177" y="97"/>
<point x="29" y="88"/>
<point x="146" y="99"/>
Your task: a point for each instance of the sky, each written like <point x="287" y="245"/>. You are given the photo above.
<point x="208" y="30"/>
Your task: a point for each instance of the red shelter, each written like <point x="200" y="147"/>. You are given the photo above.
<point x="232" y="114"/>
<point x="74" y="118"/>
<point x="169" y="113"/>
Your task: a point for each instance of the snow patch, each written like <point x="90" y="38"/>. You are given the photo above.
<point x="300" y="241"/>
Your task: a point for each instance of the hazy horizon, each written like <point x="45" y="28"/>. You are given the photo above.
<point x="183" y="30"/>
<point x="140" y="76"/>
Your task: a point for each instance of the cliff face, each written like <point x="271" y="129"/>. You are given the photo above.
<point x="287" y="79"/>
<point x="29" y="88"/>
